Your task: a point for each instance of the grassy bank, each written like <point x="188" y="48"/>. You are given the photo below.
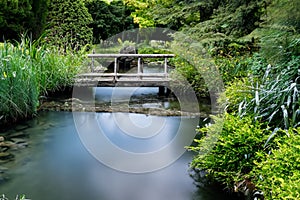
<point x="29" y="70"/>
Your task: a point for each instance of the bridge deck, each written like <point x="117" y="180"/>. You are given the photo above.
<point x="139" y="79"/>
<point x="129" y="80"/>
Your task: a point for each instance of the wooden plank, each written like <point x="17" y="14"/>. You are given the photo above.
<point x="122" y="75"/>
<point x="130" y="55"/>
<point x="108" y="83"/>
<point x="95" y="74"/>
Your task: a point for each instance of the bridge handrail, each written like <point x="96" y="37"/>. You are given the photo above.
<point x="139" y="56"/>
<point x="94" y="55"/>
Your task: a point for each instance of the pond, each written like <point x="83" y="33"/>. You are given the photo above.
<point x="56" y="165"/>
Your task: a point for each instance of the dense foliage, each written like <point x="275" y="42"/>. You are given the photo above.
<point x="278" y="174"/>
<point x="228" y="159"/>
<point x="109" y="19"/>
<point x="20" y="16"/>
<point x="69" y="24"/>
<point x="262" y="96"/>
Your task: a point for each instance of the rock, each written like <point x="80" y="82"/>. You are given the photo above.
<point x="3" y="169"/>
<point x="99" y="69"/>
<point x="19" y="134"/>
<point x="21" y="127"/>
<point x="7" y="144"/>
<point x="128" y="50"/>
<point x="6" y="156"/>
<point x="18" y="140"/>
<point x="22" y="145"/>
<point x="1" y="138"/>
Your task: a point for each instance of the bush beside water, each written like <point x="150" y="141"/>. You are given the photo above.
<point x="258" y="143"/>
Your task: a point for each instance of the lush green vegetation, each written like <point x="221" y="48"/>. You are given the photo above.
<point x="109" y="19"/>
<point x="227" y="148"/>
<point x="68" y="24"/>
<point x="44" y="47"/>
<point x="255" y="142"/>
<point x="254" y="45"/>
<point x="20" y="16"/>
<point x="18" y="197"/>
<point x="278" y="173"/>
<point x="29" y="70"/>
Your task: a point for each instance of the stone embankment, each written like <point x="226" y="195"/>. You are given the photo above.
<point x="76" y="105"/>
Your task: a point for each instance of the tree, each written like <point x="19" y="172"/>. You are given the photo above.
<point x="109" y="19"/>
<point x="22" y="16"/>
<point x="142" y="12"/>
<point x="40" y="12"/>
<point x="68" y="24"/>
<point x="281" y="31"/>
<point x="15" y="18"/>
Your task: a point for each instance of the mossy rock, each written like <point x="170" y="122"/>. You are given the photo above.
<point x="6" y="156"/>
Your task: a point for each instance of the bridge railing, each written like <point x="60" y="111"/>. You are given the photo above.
<point x="140" y="72"/>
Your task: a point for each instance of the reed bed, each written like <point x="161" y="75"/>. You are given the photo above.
<point x="29" y="70"/>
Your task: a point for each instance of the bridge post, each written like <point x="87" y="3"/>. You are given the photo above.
<point x="116" y="68"/>
<point x="140" y="67"/>
<point x="161" y="90"/>
<point x="166" y="67"/>
<point x="164" y="91"/>
<point x="93" y="62"/>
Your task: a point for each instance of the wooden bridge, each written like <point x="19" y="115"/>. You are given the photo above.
<point x="138" y="79"/>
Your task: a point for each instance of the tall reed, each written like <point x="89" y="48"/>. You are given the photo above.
<point x="28" y="70"/>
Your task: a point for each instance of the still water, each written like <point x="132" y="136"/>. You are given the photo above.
<point x="61" y="163"/>
<point x="56" y="165"/>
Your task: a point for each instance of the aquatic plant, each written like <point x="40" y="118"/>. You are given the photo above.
<point x="28" y="70"/>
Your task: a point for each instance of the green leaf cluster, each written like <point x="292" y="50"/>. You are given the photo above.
<point x="227" y="149"/>
<point x="264" y="88"/>
<point x="277" y="175"/>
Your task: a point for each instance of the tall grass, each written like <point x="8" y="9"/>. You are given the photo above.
<point x="28" y="70"/>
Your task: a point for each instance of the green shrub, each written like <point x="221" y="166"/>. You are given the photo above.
<point x="227" y="149"/>
<point x="237" y="91"/>
<point x="184" y="69"/>
<point x="278" y="174"/>
<point x="230" y="68"/>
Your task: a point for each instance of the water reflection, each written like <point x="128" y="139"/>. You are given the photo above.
<point x="57" y="166"/>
